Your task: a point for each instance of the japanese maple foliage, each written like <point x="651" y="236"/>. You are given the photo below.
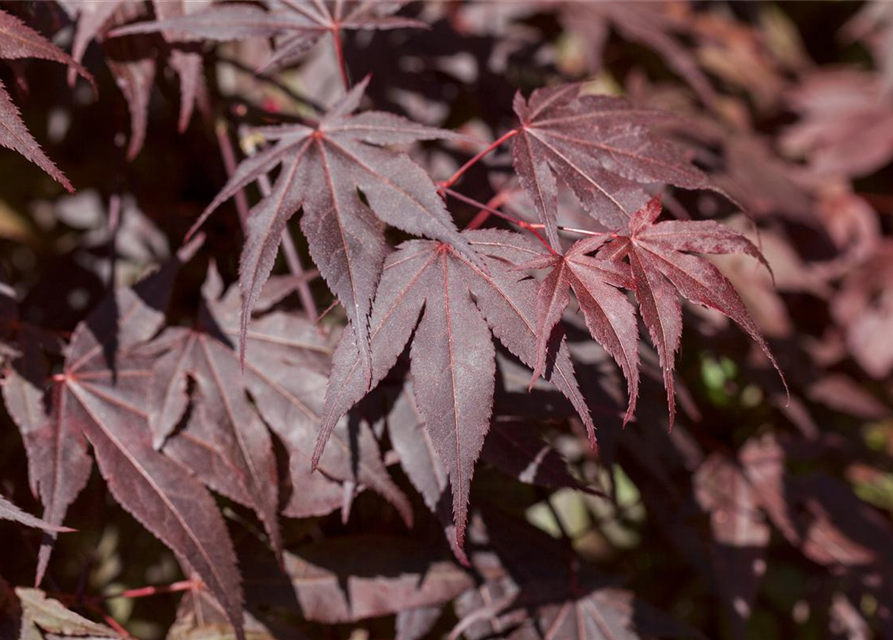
<point x="368" y="316"/>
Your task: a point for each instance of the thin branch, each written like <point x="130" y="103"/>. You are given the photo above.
<point x="339" y="54"/>
<point x="143" y="592"/>
<point x="109" y="620"/>
<point x="292" y="258"/>
<point x="496" y="212"/>
<point x="465" y="167"/>
<point x="483" y="214"/>
<point x="229" y="164"/>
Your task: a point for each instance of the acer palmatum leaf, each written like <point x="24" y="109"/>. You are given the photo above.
<point x="322" y="169"/>
<point x="134" y="66"/>
<point x="58" y="467"/>
<point x="291" y="405"/>
<point x="185" y="57"/>
<point x="296" y="24"/>
<point x="101" y="393"/>
<point x="55" y="619"/>
<point x="226" y="439"/>
<point x="92" y="17"/>
<point x="350" y="578"/>
<point x="419" y="460"/>
<point x="452" y="356"/>
<point x="9" y="511"/>
<point x="17" y="40"/>
<point x="662" y="270"/>
<point x="610" y="317"/>
<point x="599" y="146"/>
<point x="547" y="587"/>
<point x="224" y="442"/>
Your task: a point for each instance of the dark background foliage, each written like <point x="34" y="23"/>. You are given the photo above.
<point x="759" y="515"/>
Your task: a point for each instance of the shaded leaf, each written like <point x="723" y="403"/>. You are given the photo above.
<point x="338" y="580"/>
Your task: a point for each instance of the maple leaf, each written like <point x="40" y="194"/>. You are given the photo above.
<point x="101" y="395"/>
<point x="9" y="511"/>
<point x="25" y="375"/>
<point x="185" y="58"/>
<point x="599" y="146"/>
<point x="226" y="440"/>
<point x="50" y="615"/>
<point x="93" y="17"/>
<point x="542" y="591"/>
<point x="452" y="356"/>
<point x="133" y="63"/>
<point x="421" y="463"/>
<point x="222" y="425"/>
<point x="338" y="580"/>
<point x="662" y="267"/>
<point x="322" y="169"/>
<point x="610" y="317"/>
<point x="296" y="24"/>
<point x="134" y="67"/>
<point x="17" y="41"/>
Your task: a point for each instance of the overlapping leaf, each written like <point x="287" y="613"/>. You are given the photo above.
<point x="132" y="63"/>
<point x="296" y="24"/>
<point x="225" y="438"/>
<point x="599" y="146"/>
<point x="322" y="170"/>
<point x="610" y="317"/>
<point x="349" y="578"/>
<point x="662" y="269"/>
<point x="101" y="395"/>
<point x="452" y="355"/>
<point x="546" y="594"/>
<point x="185" y="56"/>
<point x="40" y="612"/>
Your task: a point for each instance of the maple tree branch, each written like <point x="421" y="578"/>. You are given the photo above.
<point x="496" y="212"/>
<point x="139" y="592"/>
<point x="143" y="592"/>
<point x="508" y="135"/>
<point x="109" y="620"/>
<point x="483" y="214"/>
<point x="339" y="54"/>
<point x="229" y="164"/>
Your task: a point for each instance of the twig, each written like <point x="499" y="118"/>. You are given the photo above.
<point x="339" y="54"/>
<point x="496" y="212"/>
<point x="465" y="167"/>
